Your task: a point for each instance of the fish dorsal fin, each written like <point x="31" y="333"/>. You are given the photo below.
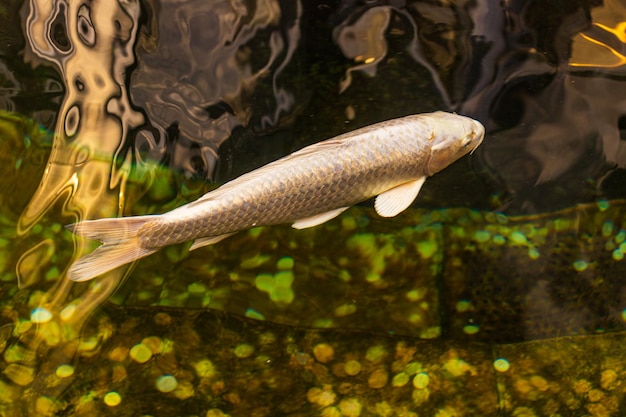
<point x="206" y="241"/>
<point x="327" y="145"/>
<point x="318" y="218"/>
<point x="394" y="201"/>
<point x="318" y="147"/>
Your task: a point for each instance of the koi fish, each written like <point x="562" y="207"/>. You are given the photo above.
<point x="390" y="160"/>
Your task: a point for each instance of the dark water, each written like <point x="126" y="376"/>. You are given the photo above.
<point x="500" y="293"/>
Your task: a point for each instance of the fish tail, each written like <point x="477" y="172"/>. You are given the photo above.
<point x="120" y="245"/>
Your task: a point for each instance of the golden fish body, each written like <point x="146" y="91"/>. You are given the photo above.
<point x="390" y="160"/>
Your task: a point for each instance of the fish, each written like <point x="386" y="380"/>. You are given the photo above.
<point x="389" y="160"/>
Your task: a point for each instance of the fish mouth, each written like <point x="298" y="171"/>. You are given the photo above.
<point x="476" y="147"/>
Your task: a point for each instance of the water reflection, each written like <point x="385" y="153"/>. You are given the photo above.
<point x="210" y="90"/>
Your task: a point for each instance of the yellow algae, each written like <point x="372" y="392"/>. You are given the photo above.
<point x="482" y="236"/>
<point x="501" y="365"/>
<point x="364" y="243"/>
<point x="421" y="380"/>
<point x="166" y="383"/>
<point x="412" y="368"/>
<point x="214" y="412"/>
<point x="522" y="386"/>
<point x="348" y="223"/>
<point x="539" y="382"/>
<point x="253" y="314"/>
<point x="50" y="332"/>
<point x="282" y="295"/>
<point x="431" y="333"/>
<point x="384" y="409"/>
<point x="40" y="315"/>
<point x="21" y="375"/>
<point x="118" y="373"/>
<point x="524" y="412"/>
<point x="580" y="265"/>
<point x="427" y="248"/>
<point x="415" y="294"/>
<point x="153" y="343"/>
<point x="112" y="399"/>
<point x="204" y="368"/>
<point x="595" y="395"/>
<point x="283" y="279"/>
<point x="518" y="238"/>
<point x="45" y="406"/>
<point x="323" y="352"/>
<point x="331" y="412"/>
<point x="608" y="379"/>
<point x="23" y="326"/>
<point x="68" y="312"/>
<point x="372" y="277"/>
<point x="400" y="379"/>
<point x="378" y="379"/>
<point x="598" y="410"/>
<point x="345" y="310"/>
<point x="448" y="411"/>
<point x="8" y="392"/>
<point x="140" y="353"/>
<point x="64" y="371"/>
<point x="322" y="397"/>
<point x="419" y="396"/>
<point x="17" y="353"/>
<point x="607" y="228"/>
<point x="88" y="345"/>
<point x="533" y="253"/>
<point x="350" y="407"/>
<point x="464" y="305"/>
<point x="352" y="367"/>
<point x="344" y="275"/>
<point x="267" y="338"/>
<point x="376" y="353"/>
<point x="285" y="263"/>
<point x="603" y="204"/>
<point x="119" y="353"/>
<point x="196" y="288"/>
<point x="264" y="282"/>
<point x="184" y="390"/>
<point x="243" y="350"/>
<point x="254" y="262"/>
<point x="471" y="329"/>
<point x="458" y="367"/>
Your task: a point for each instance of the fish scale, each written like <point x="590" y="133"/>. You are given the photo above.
<point x="389" y="160"/>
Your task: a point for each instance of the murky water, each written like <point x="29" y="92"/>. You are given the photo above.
<point x="501" y="293"/>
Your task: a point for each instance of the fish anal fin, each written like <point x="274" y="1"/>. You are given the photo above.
<point x="206" y="241"/>
<point x="394" y="201"/>
<point x="318" y="219"/>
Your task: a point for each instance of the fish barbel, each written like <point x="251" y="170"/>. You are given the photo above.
<point x="390" y="160"/>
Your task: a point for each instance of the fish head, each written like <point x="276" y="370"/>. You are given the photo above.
<point x="453" y="136"/>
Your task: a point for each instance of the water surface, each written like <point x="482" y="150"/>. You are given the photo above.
<point x="500" y="293"/>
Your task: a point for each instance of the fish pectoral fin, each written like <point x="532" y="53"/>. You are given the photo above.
<point x="318" y="218"/>
<point x="394" y="201"/>
<point x="206" y="241"/>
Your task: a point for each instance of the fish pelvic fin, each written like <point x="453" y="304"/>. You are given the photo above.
<point x="397" y="199"/>
<point x="120" y="245"/>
